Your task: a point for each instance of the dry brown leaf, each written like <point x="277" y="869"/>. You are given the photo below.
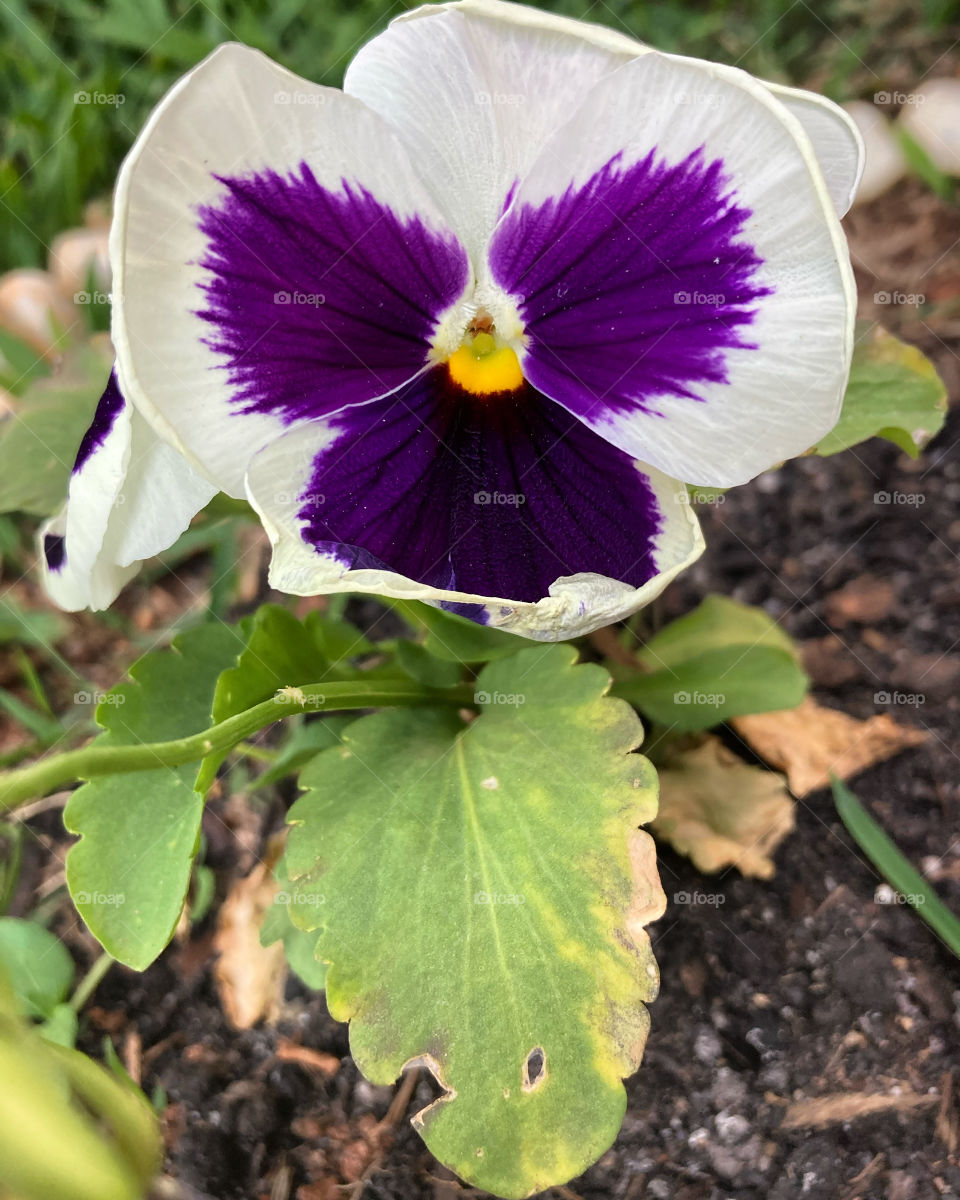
<point x="864" y="601"/>
<point x="720" y="811"/>
<point x="249" y="977"/>
<point x="847" y="1106"/>
<point x="810" y="742"/>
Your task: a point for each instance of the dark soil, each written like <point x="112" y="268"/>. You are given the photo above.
<point x="773" y="993"/>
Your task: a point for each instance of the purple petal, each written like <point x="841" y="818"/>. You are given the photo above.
<point x="634" y="284"/>
<point x="496" y="495"/>
<point x="55" y="550"/>
<point x="109" y="407"/>
<point x="318" y="299"/>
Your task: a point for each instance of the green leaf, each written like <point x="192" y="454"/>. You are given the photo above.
<point x="305" y="741"/>
<point x="20" y="364"/>
<point x="922" y="165"/>
<point x="423" y="666"/>
<point x="716" y="623"/>
<point x="298" y="945"/>
<point x="281" y="651"/>
<point x="61" y="1026"/>
<point x="38" y="446"/>
<point x="895" y="868"/>
<point x="894" y="393"/>
<point x="480" y="892"/>
<point x="455" y="638"/>
<point x="29" y="628"/>
<point x="202" y="896"/>
<point x="128" y="875"/>
<point x="723" y="660"/>
<point x="36" y="964"/>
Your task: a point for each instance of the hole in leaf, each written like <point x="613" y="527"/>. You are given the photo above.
<point x="534" y="1069"/>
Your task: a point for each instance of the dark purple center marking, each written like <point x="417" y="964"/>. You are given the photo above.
<point x="318" y="299"/>
<point x="497" y="495"/>
<point x="109" y="407"/>
<point x="54" y="550"/>
<point x="635" y="284"/>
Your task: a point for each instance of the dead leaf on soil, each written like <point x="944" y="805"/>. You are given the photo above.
<point x="249" y="977"/>
<point x="847" y="1106"/>
<point x="810" y="742"/>
<point x="864" y="601"/>
<point x="720" y="811"/>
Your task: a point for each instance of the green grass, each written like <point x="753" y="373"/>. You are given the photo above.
<point x="57" y="154"/>
<point x="897" y="870"/>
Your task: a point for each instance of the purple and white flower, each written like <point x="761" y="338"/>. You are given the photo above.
<point x="463" y="331"/>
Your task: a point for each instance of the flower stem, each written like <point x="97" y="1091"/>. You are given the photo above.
<point x="20" y="786"/>
<point x="90" y="982"/>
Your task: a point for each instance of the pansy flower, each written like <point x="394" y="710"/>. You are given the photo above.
<point x="464" y="330"/>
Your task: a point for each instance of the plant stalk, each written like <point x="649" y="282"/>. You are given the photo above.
<point x="20" y="786"/>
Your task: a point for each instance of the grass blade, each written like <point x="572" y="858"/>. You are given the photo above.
<point x="895" y="868"/>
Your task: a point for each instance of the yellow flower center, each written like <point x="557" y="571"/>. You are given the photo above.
<point x="483" y="367"/>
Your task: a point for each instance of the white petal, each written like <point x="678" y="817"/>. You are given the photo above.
<point x="835" y="138"/>
<point x="425" y="72"/>
<point x="234" y="115"/>
<point x="130" y="499"/>
<point x="577" y="604"/>
<point x="783" y="392"/>
<point x="476" y="97"/>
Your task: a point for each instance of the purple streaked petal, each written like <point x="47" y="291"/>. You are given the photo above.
<point x="497" y="496"/>
<point x="634" y="284"/>
<point x="688" y="291"/>
<point x="109" y="407"/>
<point x="319" y="298"/>
<point x="232" y="135"/>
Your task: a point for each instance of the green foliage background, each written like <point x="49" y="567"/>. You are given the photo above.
<point x="57" y="154"/>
